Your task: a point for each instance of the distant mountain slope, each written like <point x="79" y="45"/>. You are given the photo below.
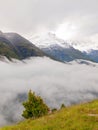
<point x="7" y="51"/>
<point x="6" y="48"/>
<point x="89" y="48"/>
<point x="13" y="45"/>
<point x="65" y="54"/>
<point x="24" y="47"/>
<point x="92" y="54"/>
<point x="59" y="49"/>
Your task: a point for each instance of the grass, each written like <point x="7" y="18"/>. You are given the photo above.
<point x="78" y="117"/>
<point x="6" y="50"/>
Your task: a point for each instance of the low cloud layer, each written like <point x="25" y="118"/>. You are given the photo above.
<point x="55" y="82"/>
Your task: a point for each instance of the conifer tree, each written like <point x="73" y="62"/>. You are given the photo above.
<point x="34" y="106"/>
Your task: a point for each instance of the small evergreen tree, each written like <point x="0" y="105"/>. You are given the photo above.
<point x="34" y="106"/>
<point x="62" y="106"/>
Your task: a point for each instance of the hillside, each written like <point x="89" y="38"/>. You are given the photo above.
<point x="24" y="47"/>
<point x="7" y="51"/>
<point x="13" y="45"/>
<point x="77" y="117"/>
<point x="6" y="48"/>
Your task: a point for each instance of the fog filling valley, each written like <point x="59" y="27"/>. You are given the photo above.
<point x="55" y="82"/>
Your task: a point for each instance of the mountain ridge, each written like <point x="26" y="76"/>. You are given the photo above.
<point x="58" y="48"/>
<point x="12" y="45"/>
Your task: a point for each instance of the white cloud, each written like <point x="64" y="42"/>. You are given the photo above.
<point x="56" y="82"/>
<point x="34" y="16"/>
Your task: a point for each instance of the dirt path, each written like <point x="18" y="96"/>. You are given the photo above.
<point x="93" y="115"/>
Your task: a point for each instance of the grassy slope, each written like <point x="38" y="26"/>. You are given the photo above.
<point x="78" y="117"/>
<point x="6" y="50"/>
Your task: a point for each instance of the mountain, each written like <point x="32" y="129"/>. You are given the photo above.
<point x="12" y="45"/>
<point x="93" y="54"/>
<point x="6" y="48"/>
<point x="89" y="48"/>
<point x="58" y="48"/>
<point x="76" y="117"/>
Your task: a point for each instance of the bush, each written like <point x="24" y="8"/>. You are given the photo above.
<point x="54" y="110"/>
<point x="62" y="106"/>
<point x="34" y="106"/>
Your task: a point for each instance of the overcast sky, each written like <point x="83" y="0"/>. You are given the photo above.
<point x="68" y="18"/>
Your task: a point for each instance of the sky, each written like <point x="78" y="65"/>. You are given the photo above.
<point x="69" y="19"/>
<point x="57" y="83"/>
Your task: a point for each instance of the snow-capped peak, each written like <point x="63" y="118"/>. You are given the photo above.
<point x="48" y="39"/>
<point x="86" y="46"/>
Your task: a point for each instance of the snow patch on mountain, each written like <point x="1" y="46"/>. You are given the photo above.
<point x="48" y="39"/>
<point x="85" y="46"/>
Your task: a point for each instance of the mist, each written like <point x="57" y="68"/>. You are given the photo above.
<point x="55" y="82"/>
